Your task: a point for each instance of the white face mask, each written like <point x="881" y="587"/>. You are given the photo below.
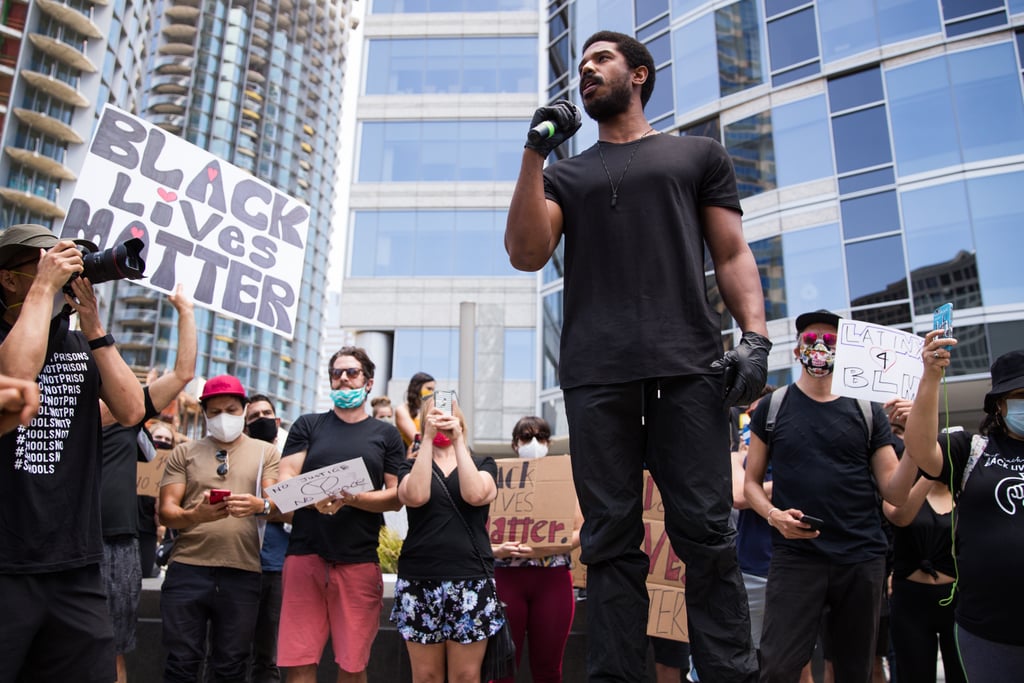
<point x="225" y="427"/>
<point x="534" y="449"/>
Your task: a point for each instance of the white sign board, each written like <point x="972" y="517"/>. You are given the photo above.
<point x="310" y="487"/>
<point x="235" y="242"/>
<point x="876" y="363"/>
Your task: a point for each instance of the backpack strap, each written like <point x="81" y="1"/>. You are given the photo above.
<point x="774" y="403"/>
<point x="978" y="445"/>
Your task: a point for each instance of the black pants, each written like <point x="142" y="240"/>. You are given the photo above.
<point x="226" y="599"/>
<point x="800" y="585"/>
<point x="919" y="624"/>
<point x="679" y="428"/>
<point x="264" y="644"/>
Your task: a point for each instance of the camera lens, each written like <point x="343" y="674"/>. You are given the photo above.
<point x="120" y="262"/>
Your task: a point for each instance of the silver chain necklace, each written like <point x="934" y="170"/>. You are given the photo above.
<point x="615" y="186"/>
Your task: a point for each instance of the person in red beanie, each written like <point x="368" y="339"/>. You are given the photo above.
<point x="212" y="492"/>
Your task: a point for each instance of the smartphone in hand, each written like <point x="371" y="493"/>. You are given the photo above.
<point x="942" y="319"/>
<point x="218" y="495"/>
<point x="443" y="401"/>
<point x="813" y="522"/>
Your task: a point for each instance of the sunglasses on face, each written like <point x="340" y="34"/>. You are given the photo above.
<point x="528" y="436"/>
<point x="811" y="338"/>
<point x="222" y="458"/>
<point x="351" y="373"/>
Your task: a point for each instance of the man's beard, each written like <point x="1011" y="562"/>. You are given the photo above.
<point x="615" y="102"/>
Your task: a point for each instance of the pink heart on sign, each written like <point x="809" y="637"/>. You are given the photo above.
<point x="138" y="232"/>
<point x="884" y="357"/>
<point x="166" y="195"/>
<point x="211" y="173"/>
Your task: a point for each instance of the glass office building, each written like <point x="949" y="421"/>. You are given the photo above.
<point x="879" y="147"/>
<point x="447" y="89"/>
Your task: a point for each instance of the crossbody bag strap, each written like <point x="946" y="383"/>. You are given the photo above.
<point x="465" y="524"/>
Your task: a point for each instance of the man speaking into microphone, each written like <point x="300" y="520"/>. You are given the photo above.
<point x="641" y="365"/>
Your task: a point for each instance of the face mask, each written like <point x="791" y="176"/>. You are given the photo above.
<point x="1015" y="415"/>
<point x="387" y="418"/>
<point x="225" y="427"/>
<point x="426" y="393"/>
<point x="534" y="449"/>
<point x="442" y="441"/>
<point x="348" y="398"/>
<point x="163" y="445"/>
<point x="817" y="359"/>
<point x="263" y="428"/>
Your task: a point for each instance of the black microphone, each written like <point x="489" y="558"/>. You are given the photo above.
<point x="542" y="131"/>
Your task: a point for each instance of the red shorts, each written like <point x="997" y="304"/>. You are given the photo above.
<point x="321" y="599"/>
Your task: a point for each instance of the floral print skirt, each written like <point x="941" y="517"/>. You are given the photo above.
<point x="433" y="611"/>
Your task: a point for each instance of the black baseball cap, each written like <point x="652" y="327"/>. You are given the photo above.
<point x="805" y="320"/>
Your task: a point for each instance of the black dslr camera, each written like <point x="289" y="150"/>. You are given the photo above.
<point x="119" y="262"/>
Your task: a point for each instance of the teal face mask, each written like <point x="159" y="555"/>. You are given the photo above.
<point x="348" y="398"/>
<point x="1015" y="415"/>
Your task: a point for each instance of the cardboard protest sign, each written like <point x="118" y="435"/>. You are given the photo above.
<point x="876" y="363"/>
<point x="666" y="567"/>
<point x="666" y="577"/>
<point x="536" y="503"/>
<point x="666" y="616"/>
<point x="149" y="474"/>
<point x="653" y="507"/>
<point x="237" y="243"/>
<point x="310" y="487"/>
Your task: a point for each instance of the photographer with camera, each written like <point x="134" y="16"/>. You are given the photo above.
<point x="50" y="540"/>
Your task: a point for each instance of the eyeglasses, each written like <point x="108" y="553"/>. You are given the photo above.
<point x="810" y="338"/>
<point x="351" y="373"/>
<point x="222" y="458"/>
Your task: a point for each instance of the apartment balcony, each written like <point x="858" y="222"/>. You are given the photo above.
<point x="57" y="88"/>
<point x="32" y="202"/>
<point x="180" y="49"/>
<point x="136" y="340"/>
<point x="63" y="52"/>
<point x="140" y="295"/>
<point x="70" y="17"/>
<point x="183" y="14"/>
<point x="172" y="123"/>
<point x="174" y="65"/>
<point x="40" y="162"/>
<point x="180" y="33"/>
<point x="188" y="3"/>
<point x="171" y="84"/>
<point x="138" y="316"/>
<point x="168" y="104"/>
<point x="49" y="125"/>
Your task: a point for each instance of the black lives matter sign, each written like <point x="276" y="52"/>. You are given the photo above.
<point x="236" y="243"/>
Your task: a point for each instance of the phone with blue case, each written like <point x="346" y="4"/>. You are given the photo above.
<point x="942" y="319"/>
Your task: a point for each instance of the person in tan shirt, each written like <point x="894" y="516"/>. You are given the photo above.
<point x="214" y="571"/>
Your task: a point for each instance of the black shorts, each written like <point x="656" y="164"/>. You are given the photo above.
<point x="57" y="627"/>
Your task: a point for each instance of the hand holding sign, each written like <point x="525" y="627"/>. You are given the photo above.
<point x="328" y="488"/>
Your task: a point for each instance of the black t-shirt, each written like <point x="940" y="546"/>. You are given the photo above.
<point x="50" y="488"/>
<point x="119" y="483"/>
<point x="926" y="543"/>
<point x="351" y="535"/>
<point x="635" y="302"/>
<point x="821" y="464"/>
<point x="437" y="545"/>
<point x="989" y="535"/>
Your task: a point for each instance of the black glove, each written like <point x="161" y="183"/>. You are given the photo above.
<point x="566" y="119"/>
<point x="746" y="369"/>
